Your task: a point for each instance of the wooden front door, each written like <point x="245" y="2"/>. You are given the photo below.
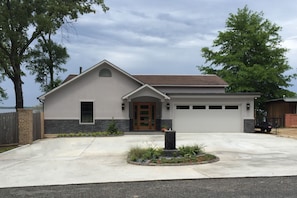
<point x="144" y="116"/>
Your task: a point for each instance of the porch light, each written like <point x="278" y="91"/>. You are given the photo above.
<point x="123" y="106"/>
<point x="248" y="106"/>
<point x="168" y="106"/>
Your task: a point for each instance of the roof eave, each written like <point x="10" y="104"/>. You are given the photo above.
<point x="204" y="86"/>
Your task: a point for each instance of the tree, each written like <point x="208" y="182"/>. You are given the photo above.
<point x="46" y="59"/>
<point x="249" y="57"/>
<point x="3" y="95"/>
<point x="22" y="22"/>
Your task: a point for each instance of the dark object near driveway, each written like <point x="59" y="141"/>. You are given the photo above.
<point x="264" y="126"/>
<point x="170" y="140"/>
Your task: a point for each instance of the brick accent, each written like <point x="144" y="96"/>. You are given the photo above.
<point x="73" y="126"/>
<point x="290" y="120"/>
<point x="25" y="126"/>
<point x="249" y="125"/>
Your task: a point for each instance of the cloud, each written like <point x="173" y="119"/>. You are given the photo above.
<point x="158" y="37"/>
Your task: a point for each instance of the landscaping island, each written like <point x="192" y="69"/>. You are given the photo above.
<point x="184" y="155"/>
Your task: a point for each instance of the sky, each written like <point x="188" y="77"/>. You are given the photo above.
<point x="156" y="37"/>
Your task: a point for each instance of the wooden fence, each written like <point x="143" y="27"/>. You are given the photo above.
<point x="8" y="128"/>
<point x="37" y="124"/>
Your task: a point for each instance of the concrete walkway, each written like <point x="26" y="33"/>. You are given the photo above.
<point x="103" y="159"/>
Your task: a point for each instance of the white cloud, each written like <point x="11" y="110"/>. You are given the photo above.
<point x="158" y="36"/>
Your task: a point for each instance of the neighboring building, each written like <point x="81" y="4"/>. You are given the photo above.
<point x="282" y="112"/>
<point x="186" y="103"/>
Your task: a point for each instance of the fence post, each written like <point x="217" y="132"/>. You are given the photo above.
<point x="25" y="126"/>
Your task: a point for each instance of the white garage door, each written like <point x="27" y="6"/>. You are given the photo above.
<point x="207" y="118"/>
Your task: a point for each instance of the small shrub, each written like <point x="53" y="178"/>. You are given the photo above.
<point x="144" y="154"/>
<point x="112" y="128"/>
<point x="189" y="151"/>
<point x="136" y="153"/>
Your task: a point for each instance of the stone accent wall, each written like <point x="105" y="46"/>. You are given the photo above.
<point x="25" y="126"/>
<point x="249" y="126"/>
<point x="73" y="126"/>
<point x="290" y="120"/>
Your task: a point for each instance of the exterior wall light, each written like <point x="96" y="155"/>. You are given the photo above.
<point x="248" y="106"/>
<point x="123" y="106"/>
<point x="168" y="106"/>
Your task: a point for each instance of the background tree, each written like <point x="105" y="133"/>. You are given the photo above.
<point x="2" y="91"/>
<point x="22" y="22"/>
<point x="248" y="55"/>
<point x="45" y="61"/>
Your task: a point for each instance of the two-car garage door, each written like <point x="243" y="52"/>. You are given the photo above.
<point x="207" y="118"/>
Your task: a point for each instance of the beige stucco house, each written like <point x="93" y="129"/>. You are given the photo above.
<point x="185" y="103"/>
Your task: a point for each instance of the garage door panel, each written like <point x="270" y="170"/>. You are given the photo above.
<point x="207" y="120"/>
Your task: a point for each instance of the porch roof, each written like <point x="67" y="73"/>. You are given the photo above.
<point x="146" y="86"/>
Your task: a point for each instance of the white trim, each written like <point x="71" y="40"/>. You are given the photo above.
<point x="126" y="97"/>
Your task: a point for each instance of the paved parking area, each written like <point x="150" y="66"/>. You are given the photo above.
<point x="103" y="159"/>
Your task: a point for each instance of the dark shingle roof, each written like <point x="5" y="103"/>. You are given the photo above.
<point x="69" y="77"/>
<point x="181" y="80"/>
<point x="175" y="80"/>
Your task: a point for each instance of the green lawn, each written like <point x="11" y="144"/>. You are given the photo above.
<point x="6" y="148"/>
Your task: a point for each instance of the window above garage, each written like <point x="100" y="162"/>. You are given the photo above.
<point x="182" y="107"/>
<point x="215" y="107"/>
<point x="231" y="107"/>
<point x="199" y="107"/>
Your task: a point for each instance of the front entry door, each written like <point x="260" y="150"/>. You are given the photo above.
<point x="144" y="116"/>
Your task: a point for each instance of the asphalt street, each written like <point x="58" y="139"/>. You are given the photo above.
<point x="269" y="187"/>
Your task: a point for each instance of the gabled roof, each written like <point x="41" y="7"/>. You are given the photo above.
<point x="182" y="80"/>
<point x="74" y="77"/>
<point x="152" y="80"/>
<point x="143" y="87"/>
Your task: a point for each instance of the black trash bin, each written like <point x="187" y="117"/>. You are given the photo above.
<point x="170" y="140"/>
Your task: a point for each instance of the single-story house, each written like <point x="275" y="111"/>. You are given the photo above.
<point x="282" y="112"/>
<point x="185" y="103"/>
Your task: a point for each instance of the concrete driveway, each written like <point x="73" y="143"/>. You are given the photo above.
<point x="103" y="159"/>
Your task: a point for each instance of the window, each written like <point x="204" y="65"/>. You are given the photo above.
<point x="215" y="107"/>
<point x="231" y="107"/>
<point x="86" y="112"/>
<point x="105" y="73"/>
<point x="199" y="107"/>
<point x="182" y="107"/>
